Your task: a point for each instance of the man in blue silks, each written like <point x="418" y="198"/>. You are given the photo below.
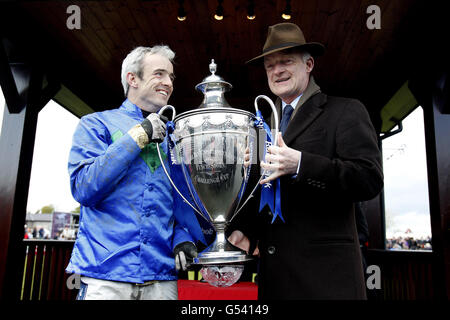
<point x="134" y="234"/>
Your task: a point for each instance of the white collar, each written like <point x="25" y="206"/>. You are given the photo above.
<point x="293" y="104"/>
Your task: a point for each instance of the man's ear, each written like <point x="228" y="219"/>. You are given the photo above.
<point x="132" y="80"/>
<point x="310" y="64"/>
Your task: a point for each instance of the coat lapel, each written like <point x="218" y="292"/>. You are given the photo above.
<point x="310" y="91"/>
<point x="304" y="117"/>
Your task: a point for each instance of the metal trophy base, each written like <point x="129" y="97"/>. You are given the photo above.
<point x="221" y="252"/>
<point x="222" y="258"/>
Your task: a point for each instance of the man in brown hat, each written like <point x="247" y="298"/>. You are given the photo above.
<point x="327" y="159"/>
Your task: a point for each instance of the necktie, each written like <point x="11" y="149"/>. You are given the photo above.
<point x="287" y="112"/>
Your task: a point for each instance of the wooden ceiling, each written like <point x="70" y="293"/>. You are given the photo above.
<point x="366" y="64"/>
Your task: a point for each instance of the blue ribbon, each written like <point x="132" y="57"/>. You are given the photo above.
<point x="270" y="194"/>
<point x="184" y="214"/>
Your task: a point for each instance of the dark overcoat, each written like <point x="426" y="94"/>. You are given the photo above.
<point x="315" y="253"/>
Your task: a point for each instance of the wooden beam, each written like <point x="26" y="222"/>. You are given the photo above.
<point x="426" y="88"/>
<point x="16" y="154"/>
<point x="14" y="101"/>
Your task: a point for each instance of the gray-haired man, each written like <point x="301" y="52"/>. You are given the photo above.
<point x="128" y="233"/>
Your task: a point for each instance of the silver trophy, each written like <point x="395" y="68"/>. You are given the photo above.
<point x="211" y="143"/>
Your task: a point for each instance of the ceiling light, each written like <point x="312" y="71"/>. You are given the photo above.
<point x="251" y="10"/>
<point x="287" y="12"/>
<point x="219" y="11"/>
<point x="181" y="12"/>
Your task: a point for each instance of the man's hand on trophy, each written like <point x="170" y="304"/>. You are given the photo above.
<point x="280" y="160"/>
<point x="154" y="127"/>
<point x="240" y="240"/>
<point x="184" y="253"/>
<point x="247" y="157"/>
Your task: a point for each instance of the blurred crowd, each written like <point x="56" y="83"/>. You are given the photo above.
<point x="43" y="233"/>
<point x="408" y="243"/>
<point x="36" y="233"/>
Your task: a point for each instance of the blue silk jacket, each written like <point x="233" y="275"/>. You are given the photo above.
<point x="128" y="227"/>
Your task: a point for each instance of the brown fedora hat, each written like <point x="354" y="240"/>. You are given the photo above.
<point x="286" y="35"/>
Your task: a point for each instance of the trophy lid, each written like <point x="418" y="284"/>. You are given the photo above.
<point x="214" y="87"/>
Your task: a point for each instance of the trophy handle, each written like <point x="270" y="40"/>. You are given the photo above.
<point x="163" y="165"/>
<point x="275" y="114"/>
<point x="274" y="110"/>
<point x="174" y="113"/>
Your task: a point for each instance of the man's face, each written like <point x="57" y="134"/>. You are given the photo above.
<point x="156" y="84"/>
<point x="287" y="74"/>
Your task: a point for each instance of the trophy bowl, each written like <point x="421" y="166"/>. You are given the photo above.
<point x="208" y="148"/>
